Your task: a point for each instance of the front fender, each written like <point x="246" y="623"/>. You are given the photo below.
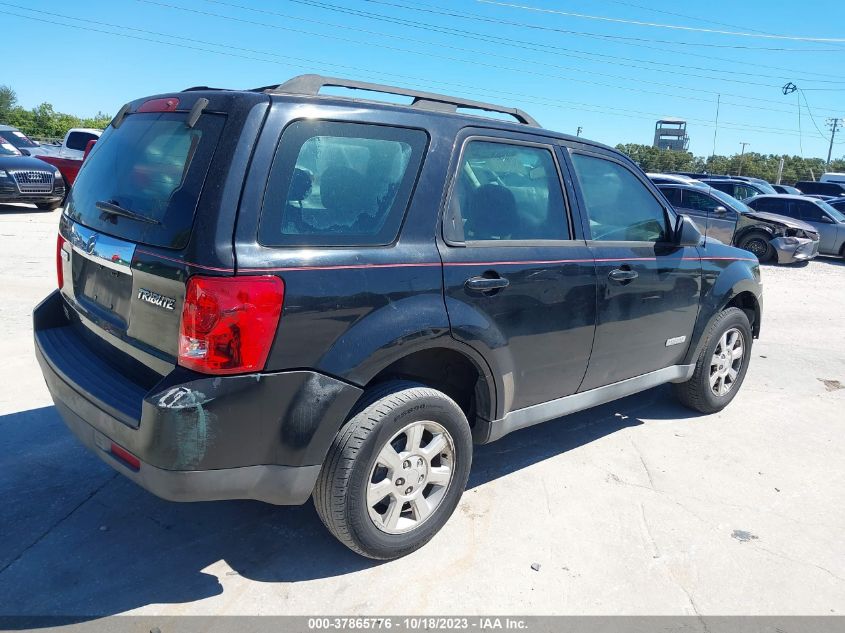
<point x="723" y="281"/>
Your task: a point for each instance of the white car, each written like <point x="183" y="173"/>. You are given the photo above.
<point x="73" y="145"/>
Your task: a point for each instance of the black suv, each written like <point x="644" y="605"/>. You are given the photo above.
<point x="276" y="294"/>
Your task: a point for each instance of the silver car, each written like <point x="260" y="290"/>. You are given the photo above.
<point x="826" y="220"/>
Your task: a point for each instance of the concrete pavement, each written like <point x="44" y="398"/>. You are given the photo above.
<point x="637" y="507"/>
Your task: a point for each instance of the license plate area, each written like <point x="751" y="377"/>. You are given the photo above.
<point x="108" y="288"/>
<point x="102" y="274"/>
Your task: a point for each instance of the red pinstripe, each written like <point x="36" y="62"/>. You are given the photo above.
<point x="430" y="264"/>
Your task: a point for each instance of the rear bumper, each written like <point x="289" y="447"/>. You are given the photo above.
<point x="795" y="249"/>
<point x="279" y="485"/>
<point x="198" y="438"/>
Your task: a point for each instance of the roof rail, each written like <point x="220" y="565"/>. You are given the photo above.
<point x="312" y="84"/>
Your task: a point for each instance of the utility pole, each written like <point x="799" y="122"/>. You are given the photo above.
<point x="742" y="157"/>
<point x="716" y="129"/>
<point x="580" y="129"/>
<point x="833" y="124"/>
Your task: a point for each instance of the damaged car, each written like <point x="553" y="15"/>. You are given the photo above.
<point x="771" y="237"/>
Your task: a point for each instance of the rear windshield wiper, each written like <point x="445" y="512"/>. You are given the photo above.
<point x="111" y="208"/>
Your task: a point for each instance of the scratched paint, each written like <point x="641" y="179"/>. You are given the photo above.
<point x="194" y="424"/>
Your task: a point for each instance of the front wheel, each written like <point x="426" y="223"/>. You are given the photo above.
<point x="721" y="364"/>
<point x="758" y="243"/>
<point x="396" y="471"/>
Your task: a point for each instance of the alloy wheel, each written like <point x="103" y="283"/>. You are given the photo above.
<point x="410" y="477"/>
<point x="726" y="362"/>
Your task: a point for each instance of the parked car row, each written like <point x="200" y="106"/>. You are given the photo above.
<point x="37" y="173"/>
<point x="777" y="226"/>
<point x="28" y="179"/>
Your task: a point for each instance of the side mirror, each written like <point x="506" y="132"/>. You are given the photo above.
<point x="686" y="232"/>
<point x="25" y="152"/>
<point x="826" y="219"/>
<point x="720" y="210"/>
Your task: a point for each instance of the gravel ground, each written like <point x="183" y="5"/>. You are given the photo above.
<point x="636" y="507"/>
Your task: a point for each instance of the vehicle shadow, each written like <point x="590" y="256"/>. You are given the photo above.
<point x="82" y="542"/>
<point x="20" y="209"/>
<point x="830" y="261"/>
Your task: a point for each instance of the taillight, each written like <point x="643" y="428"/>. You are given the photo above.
<point x="60" y="273"/>
<point x="228" y="323"/>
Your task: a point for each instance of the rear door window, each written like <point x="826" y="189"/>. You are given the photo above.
<point x="339" y="184"/>
<point x="154" y="166"/>
<point x="511" y="192"/>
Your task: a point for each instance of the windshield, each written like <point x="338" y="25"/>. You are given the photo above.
<point x="729" y="201"/>
<point x="152" y="166"/>
<point x="833" y="212"/>
<point x="7" y="149"/>
<point x="18" y="138"/>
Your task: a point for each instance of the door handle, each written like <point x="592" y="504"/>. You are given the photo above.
<point x="622" y="276"/>
<point x="486" y="284"/>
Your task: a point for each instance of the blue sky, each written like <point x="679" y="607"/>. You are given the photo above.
<point x="567" y="71"/>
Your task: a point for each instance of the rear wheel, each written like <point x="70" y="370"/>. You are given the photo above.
<point x="396" y="471"/>
<point x="721" y="364"/>
<point x="757" y="242"/>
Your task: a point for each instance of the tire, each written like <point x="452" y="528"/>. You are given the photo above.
<point x="698" y="393"/>
<point x="757" y="243"/>
<point x="49" y="206"/>
<point x="345" y="488"/>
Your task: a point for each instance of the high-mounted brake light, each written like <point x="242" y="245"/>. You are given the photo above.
<point x="60" y="253"/>
<point x="228" y="323"/>
<point x="168" y="104"/>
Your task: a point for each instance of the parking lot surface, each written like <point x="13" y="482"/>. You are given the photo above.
<point x="636" y="507"/>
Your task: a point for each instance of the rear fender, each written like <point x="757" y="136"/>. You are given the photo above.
<point x="397" y="330"/>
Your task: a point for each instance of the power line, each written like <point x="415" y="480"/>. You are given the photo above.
<point x="312" y="63"/>
<point x="482" y="18"/>
<point x="521" y="70"/>
<point x="500" y="40"/>
<point x="680" y="15"/>
<point x="462" y="49"/>
<point x="676" y="27"/>
<point x="698" y="55"/>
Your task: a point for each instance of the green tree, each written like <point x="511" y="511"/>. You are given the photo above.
<point x="764" y="166"/>
<point x="8" y="100"/>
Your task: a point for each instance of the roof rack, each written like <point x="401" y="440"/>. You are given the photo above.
<point x="312" y="84"/>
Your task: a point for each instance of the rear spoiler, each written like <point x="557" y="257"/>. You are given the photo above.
<point x="168" y="104"/>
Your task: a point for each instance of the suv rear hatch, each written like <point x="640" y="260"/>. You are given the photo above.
<point x="154" y="203"/>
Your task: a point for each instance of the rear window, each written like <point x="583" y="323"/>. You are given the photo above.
<point x="339" y="184"/>
<point x="154" y="166"/>
<point x="79" y="140"/>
